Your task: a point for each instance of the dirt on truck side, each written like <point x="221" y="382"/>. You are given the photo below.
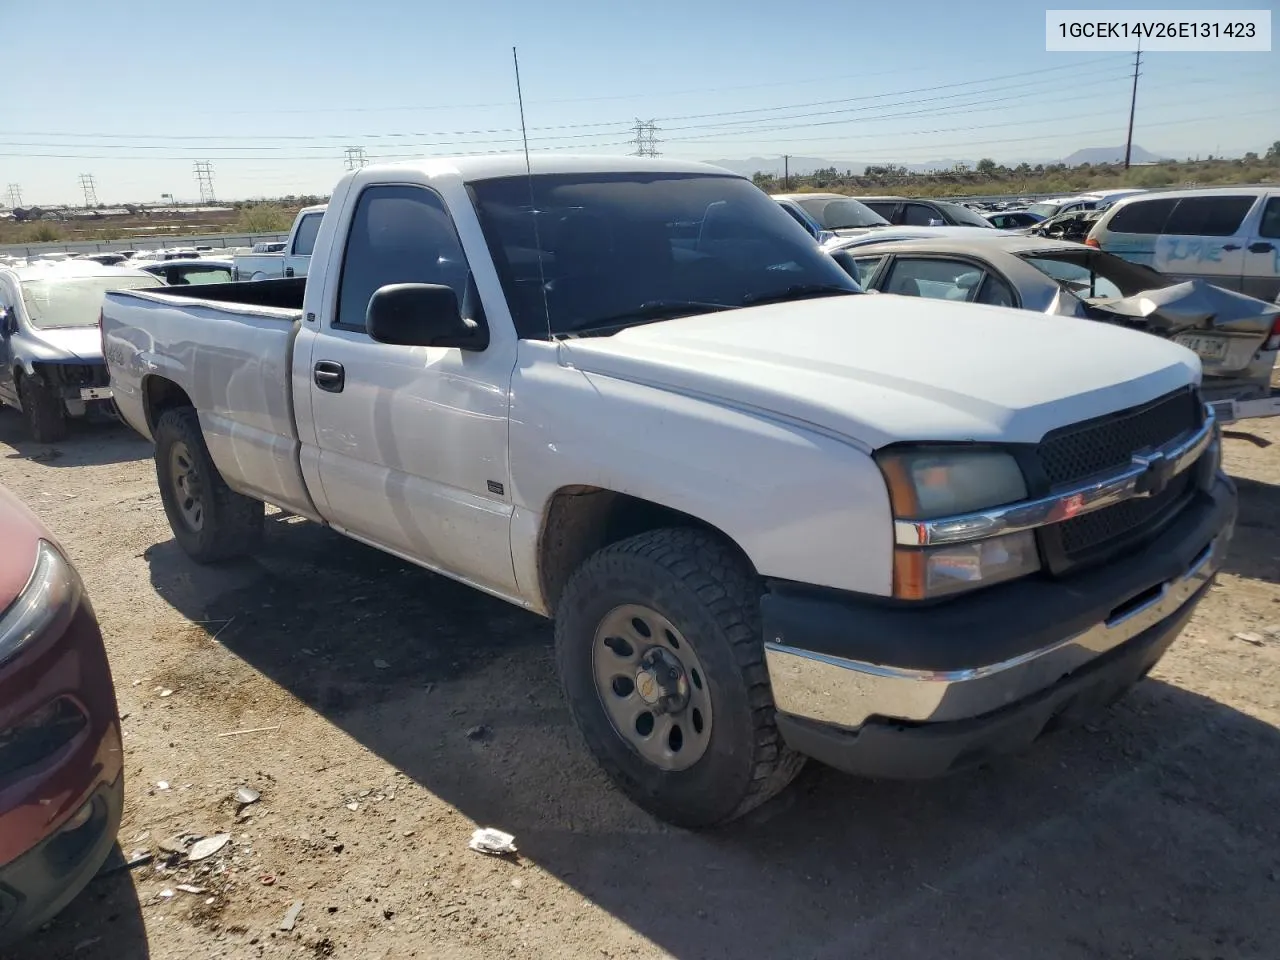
<point x="377" y="715"/>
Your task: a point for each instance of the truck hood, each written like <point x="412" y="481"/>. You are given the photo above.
<point x="877" y="369"/>
<point x="67" y="343"/>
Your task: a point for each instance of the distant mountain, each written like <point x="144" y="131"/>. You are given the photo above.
<point x="1111" y="155"/>
<point x="802" y="166"/>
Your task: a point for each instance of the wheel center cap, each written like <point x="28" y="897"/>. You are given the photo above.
<point x="661" y="681"/>
<point x="647" y="686"/>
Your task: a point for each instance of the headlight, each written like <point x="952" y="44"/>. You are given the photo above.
<point x="54" y="589"/>
<point x="925" y="484"/>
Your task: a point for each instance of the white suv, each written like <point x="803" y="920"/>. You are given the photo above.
<point x="1228" y="236"/>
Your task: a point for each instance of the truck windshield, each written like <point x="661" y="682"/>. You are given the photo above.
<point x="73" y="301"/>
<point x="612" y="248"/>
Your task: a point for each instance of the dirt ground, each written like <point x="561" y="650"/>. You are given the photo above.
<point x="361" y="682"/>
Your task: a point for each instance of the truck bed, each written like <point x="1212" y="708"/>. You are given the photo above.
<point x="284" y="294"/>
<point x="229" y="348"/>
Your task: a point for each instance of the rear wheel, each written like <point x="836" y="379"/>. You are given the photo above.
<point x="44" y="410"/>
<point x="659" y="650"/>
<point x="209" y="520"/>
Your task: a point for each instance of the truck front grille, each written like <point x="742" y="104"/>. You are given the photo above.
<point x="1076" y="453"/>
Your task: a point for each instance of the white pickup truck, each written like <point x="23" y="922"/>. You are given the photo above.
<point x="772" y="517"/>
<point x="293" y="260"/>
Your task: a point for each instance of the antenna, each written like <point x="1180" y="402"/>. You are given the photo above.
<point x="533" y="204"/>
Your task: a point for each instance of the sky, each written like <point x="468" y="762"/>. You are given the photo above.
<point x="271" y="94"/>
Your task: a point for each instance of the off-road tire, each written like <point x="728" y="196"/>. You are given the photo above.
<point x="44" y="410"/>
<point x="232" y="523"/>
<point x="699" y="584"/>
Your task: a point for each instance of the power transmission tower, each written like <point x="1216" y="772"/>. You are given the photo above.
<point x="204" y="177"/>
<point x="1133" y="104"/>
<point x="355" y="157"/>
<point x="15" y="195"/>
<point x="90" y="190"/>
<point x="646" y="141"/>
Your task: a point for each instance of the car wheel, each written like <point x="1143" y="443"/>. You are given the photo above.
<point x="660" y="654"/>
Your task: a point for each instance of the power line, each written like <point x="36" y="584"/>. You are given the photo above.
<point x="15" y="195"/>
<point x="204" y="177"/>
<point x="354" y="157"/>
<point x="576" y="126"/>
<point x="90" y="190"/>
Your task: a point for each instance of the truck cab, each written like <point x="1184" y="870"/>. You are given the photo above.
<point x="295" y="257"/>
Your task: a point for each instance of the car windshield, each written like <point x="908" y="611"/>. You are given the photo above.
<point x="1093" y="275"/>
<point x="962" y="215"/>
<point x="607" y="250"/>
<point x="1045" y="210"/>
<point x="842" y="214"/>
<point x="73" y="301"/>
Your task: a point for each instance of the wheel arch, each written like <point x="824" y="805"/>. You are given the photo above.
<point x="159" y="395"/>
<point x="581" y="519"/>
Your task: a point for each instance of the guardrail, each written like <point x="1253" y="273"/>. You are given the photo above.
<point x="216" y="240"/>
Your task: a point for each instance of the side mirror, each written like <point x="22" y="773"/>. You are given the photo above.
<point x="421" y="315"/>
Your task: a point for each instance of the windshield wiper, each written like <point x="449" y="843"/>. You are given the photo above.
<point x="797" y="291"/>
<point x="649" y="312"/>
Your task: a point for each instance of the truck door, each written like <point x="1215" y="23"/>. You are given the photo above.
<point x="298" y="257"/>
<point x="1262" y="254"/>
<point x="412" y="441"/>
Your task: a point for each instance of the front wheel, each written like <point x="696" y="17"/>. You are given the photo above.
<point x="659" y="650"/>
<point x="44" y="410"/>
<point x="210" y="521"/>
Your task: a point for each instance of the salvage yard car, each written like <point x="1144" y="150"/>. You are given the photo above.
<point x="773" y="517"/>
<point x="1236" y="337"/>
<point x="51" y="364"/>
<point x="1229" y="236"/>
<point x="61" y="763"/>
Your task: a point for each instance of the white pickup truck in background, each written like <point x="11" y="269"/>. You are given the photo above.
<point x="292" y="260"/>
<point x="771" y="516"/>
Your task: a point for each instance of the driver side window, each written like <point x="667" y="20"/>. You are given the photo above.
<point x="398" y="234"/>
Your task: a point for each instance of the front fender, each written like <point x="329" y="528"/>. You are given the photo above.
<point x="802" y="505"/>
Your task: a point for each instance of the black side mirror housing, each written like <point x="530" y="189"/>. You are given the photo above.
<point x="422" y="315"/>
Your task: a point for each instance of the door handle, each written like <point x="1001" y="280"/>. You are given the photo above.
<point x="1231" y="246"/>
<point x="1261" y="247"/>
<point x="329" y="375"/>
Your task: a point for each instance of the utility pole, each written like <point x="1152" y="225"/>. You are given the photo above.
<point x="1133" y="104"/>
<point x="354" y="157"/>
<point x="15" y="195"/>
<point x="204" y="177"/>
<point x="646" y="142"/>
<point x="786" y="172"/>
<point x="90" y="190"/>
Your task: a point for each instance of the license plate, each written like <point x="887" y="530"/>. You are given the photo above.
<point x="1206" y="348"/>
<point x="95" y="393"/>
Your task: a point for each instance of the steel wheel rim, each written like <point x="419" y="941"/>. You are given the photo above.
<point x="665" y="718"/>
<point x="188" y="490"/>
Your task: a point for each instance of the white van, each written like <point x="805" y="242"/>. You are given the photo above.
<point x="1229" y="236"/>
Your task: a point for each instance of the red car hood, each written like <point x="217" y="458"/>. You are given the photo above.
<point x="20" y="532"/>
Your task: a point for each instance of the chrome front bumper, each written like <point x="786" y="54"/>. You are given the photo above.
<point x="846" y="693"/>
